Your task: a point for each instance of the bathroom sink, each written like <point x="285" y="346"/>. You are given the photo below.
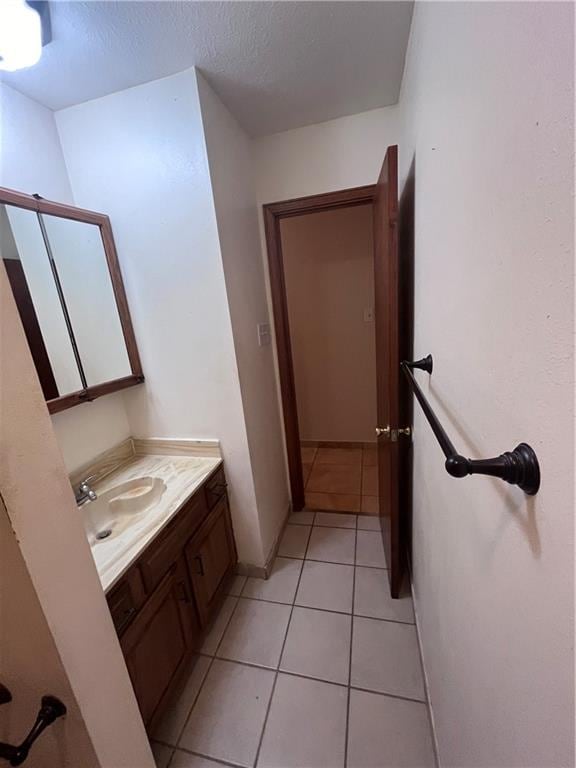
<point x="119" y="510"/>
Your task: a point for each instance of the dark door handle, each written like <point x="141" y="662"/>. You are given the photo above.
<point x="51" y="709"/>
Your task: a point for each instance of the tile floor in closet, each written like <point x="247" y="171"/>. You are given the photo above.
<point x="314" y="668"/>
<point x="341" y="479"/>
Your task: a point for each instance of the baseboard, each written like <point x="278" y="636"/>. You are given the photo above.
<point x="249" y="569"/>
<point x="263" y="571"/>
<point x="424" y="672"/>
<point x="335" y="444"/>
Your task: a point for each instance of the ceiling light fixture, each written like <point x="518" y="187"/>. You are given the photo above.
<point x="24" y="29"/>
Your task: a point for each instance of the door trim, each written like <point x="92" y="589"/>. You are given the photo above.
<point x="273" y="214"/>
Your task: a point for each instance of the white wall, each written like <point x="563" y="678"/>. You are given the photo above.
<point x="87" y="430"/>
<point x="342" y="153"/>
<point x="140" y="156"/>
<point x="233" y="186"/>
<point x="329" y="274"/>
<point x="487" y="104"/>
<point x="31" y="160"/>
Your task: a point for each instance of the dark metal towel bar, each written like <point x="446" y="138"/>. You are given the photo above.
<point x="518" y="467"/>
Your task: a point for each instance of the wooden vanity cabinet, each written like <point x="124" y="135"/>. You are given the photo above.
<point x="168" y="546"/>
<point x="209" y="554"/>
<point x="160" y="606"/>
<point x="158" y="643"/>
<point x="126" y="598"/>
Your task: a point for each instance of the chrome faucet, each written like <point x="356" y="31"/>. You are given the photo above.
<point x="84" y="493"/>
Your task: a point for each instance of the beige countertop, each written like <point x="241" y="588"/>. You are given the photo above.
<point x="181" y="475"/>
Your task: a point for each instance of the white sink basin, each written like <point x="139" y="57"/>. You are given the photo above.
<point x="121" y="510"/>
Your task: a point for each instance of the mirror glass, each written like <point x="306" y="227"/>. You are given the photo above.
<point x="80" y="260"/>
<point x="62" y="280"/>
<point x="30" y="274"/>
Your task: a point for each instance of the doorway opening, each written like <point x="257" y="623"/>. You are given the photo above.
<point x="321" y="252"/>
<point x="393" y="332"/>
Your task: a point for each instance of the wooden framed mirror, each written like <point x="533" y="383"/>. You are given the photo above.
<point x="62" y="265"/>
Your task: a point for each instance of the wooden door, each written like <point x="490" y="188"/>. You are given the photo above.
<point x="159" y="643"/>
<point x="387" y="309"/>
<point x="211" y="557"/>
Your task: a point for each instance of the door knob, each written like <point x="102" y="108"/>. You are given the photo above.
<point x="383" y="431"/>
<point x="405" y="431"/>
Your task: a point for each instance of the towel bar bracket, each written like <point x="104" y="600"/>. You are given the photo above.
<point x="425" y="364"/>
<point x="518" y="467"/>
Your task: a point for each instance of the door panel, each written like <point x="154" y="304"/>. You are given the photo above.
<point x="159" y="642"/>
<point x="387" y="305"/>
<point x="211" y="556"/>
<point x="406" y="336"/>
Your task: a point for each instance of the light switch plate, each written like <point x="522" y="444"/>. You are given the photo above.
<point x="263" y="334"/>
<point x="369" y="314"/>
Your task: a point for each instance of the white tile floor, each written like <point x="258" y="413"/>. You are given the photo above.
<point x="314" y="668"/>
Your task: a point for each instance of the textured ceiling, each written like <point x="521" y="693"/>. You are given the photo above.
<point x="276" y="65"/>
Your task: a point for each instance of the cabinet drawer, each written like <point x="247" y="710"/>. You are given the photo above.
<point x="215" y="488"/>
<point x="161" y="554"/>
<point x="125" y="599"/>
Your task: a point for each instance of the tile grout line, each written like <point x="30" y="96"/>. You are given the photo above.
<point x="338" y="527"/>
<point x="361" y="480"/>
<point x="201" y="686"/>
<point x="277" y="672"/>
<point x="332" y="512"/>
<point x="337" y="562"/>
<point x="313" y="463"/>
<point x="350" y="688"/>
<point x="388" y="695"/>
<point x="323" y="610"/>
<point x="272" y="602"/>
<point x="361" y="449"/>
<point x="349" y="693"/>
<point x="302" y="676"/>
<point x="216" y="760"/>
<point x="169" y="763"/>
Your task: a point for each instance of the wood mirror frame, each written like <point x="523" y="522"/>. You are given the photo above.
<point x="40" y="205"/>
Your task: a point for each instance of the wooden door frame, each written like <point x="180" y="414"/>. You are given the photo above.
<point x="273" y="214"/>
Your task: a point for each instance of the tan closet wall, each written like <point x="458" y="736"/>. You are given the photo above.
<point x="329" y="269"/>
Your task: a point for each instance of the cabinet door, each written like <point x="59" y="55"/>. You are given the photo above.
<point x="159" y="642"/>
<point x="211" y="556"/>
